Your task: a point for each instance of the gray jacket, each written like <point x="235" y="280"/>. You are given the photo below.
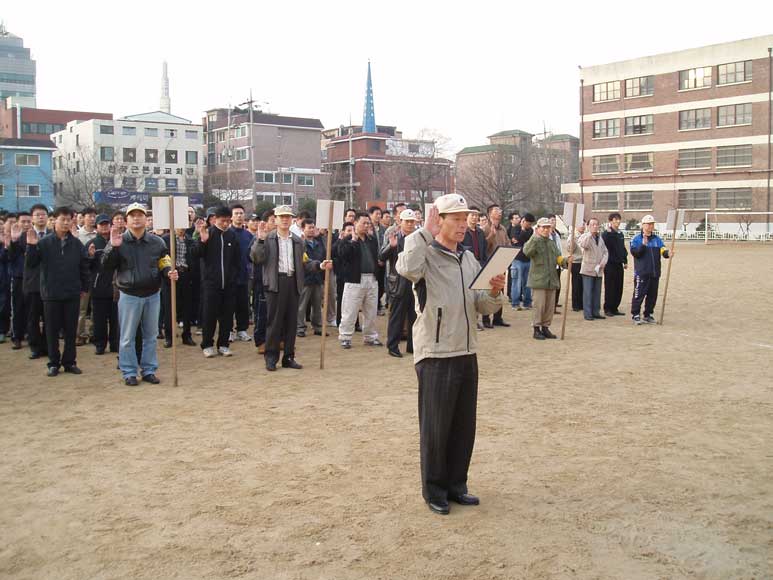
<point x="266" y="253"/>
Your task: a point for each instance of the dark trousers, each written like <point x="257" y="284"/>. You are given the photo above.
<point x="339" y="297"/>
<point x="576" y="286"/>
<point x="217" y="309"/>
<point x="61" y="315"/>
<point x="380" y="274"/>
<point x="591" y="296"/>
<point x="645" y="289"/>
<point x="282" y="323"/>
<point x="18" y="310"/>
<point x="105" y="314"/>
<point x="195" y="296"/>
<point x="185" y="310"/>
<point x="260" y="311"/>
<point x="613" y="286"/>
<point x="558" y="291"/>
<point x="401" y="306"/>
<point x="5" y="308"/>
<point x="497" y="317"/>
<point x="448" y="398"/>
<point x="242" y="307"/>
<point x="36" y="316"/>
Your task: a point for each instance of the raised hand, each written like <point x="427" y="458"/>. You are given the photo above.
<point x="262" y="233"/>
<point x="393" y="239"/>
<point x="116" y="237"/>
<point x="432" y="222"/>
<point x="32" y="237"/>
<point x="15" y="232"/>
<point x="92" y="250"/>
<point x="204" y="233"/>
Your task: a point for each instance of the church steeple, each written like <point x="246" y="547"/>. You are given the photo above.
<point x="369" y="115"/>
<point x="166" y="103"/>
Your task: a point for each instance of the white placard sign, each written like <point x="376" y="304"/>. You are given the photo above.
<point x="674" y="219"/>
<point x="579" y="216"/>
<point x="161" y="212"/>
<point x="569" y="210"/>
<point x="323" y="214"/>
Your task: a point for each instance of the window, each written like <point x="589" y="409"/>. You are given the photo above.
<point x="212" y="117"/>
<point x="77" y="166"/>
<point x="414" y="148"/>
<point x="170" y="133"/>
<point x="694" y="158"/>
<point x="129" y="183"/>
<point x="27" y="159"/>
<point x="191" y="134"/>
<point x="640" y="125"/>
<point x="695" y="119"/>
<point x="129" y="131"/>
<point x="220" y="136"/>
<point x="106" y="182"/>
<point x="306" y="180"/>
<point x="105" y="129"/>
<point x="238" y="132"/>
<point x="2" y="159"/>
<point x="695" y="198"/>
<point x="129" y="155"/>
<point x="242" y="154"/>
<point x="151" y="184"/>
<point x="735" y="198"/>
<point x="734" y="156"/>
<point x="606" y="164"/>
<point x="77" y="140"/>
<point x="734" y="115"/>
<point x="735" y="72"/>
<point x="287" y="178"/>
<point x="264" y="177"/>
<point x="375" y="146"/>
<point x="151" y="155"/>
<point x="192" y="157"/>
<point x="606" y="91"/>
<point x="2" y="190"/>
<point x="171" y="184"/>
<point x="606" y="128"/>
<point x="640" y="87"/>
<point x="695" y="78"/>
<point x="106" y="154"/>
<point x="638" y="162"/>
<point x="638" y="200"/>
<point x="170" y="156"/>
<point x="605" y="200"/>
<point x="27" y="190"/>
<point x="151" y="132"/>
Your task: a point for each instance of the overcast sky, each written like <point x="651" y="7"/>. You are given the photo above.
<point x="466" y="70"/>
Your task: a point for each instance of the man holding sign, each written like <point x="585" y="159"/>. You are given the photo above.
<point x="444" y="343"/>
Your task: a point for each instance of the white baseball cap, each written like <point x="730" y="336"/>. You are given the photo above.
<point x="408" y="214"/>
<point x="136" y="207"/>
<point x="451" y="203"/>
<point x="648" y="219"/>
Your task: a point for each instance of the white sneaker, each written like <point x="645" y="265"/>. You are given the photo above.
<point x="225" y="351"/>
<point x="232" y="337"/>
<point x="243" y="336"/>
<point x="198" y="332"/>
<point x="209" y="352"/>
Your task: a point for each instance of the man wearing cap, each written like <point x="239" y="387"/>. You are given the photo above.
<point x="399" y="289"/>
<point x="104" y="310"/>
<point x="646" y="248"/>
<point x="444" y="342"/>
<point x="140" y="260"/>
<point x="284" y="264"/>
<point x="543" y="277"/>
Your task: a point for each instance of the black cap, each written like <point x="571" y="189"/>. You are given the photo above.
<point x="211" y="211"/>
<point x="102" y="218"/>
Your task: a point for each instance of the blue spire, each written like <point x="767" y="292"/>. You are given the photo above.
<point x="369" y="116"/>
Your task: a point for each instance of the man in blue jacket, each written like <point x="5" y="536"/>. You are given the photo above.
<point x="646" y="248"/>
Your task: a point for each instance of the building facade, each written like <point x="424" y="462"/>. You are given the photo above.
<point x="688" y="129"/>
<point x="105" y="161"/>
<point x="20" y="122"/>
<point x="262" y="157"/>
<point x="17" y="69"/>
<point x="25" y="174"/>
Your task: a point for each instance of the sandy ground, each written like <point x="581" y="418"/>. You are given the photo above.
<point x="623" y="452"/>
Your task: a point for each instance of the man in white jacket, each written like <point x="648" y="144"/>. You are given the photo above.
<point x="444" y="347"/>
<point x="594" y="258"/>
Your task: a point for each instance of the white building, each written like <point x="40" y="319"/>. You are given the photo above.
<point x="138" y="154"/>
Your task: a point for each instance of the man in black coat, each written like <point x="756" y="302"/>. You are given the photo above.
<point x="104" y="308"/>
<point x="617" y="263"/>
<point x="184" y="288"/>
<point x="64" y="277"/>
<point x="218" y="249"/>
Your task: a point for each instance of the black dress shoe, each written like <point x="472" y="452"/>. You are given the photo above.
<point x="16" y="345"/>
<point x="188" y="341"/>
<point x="319" y="333"/>
<point x="167" y="344"/>
<point x="487" y="325"/>
<point x="73" y="370"/>
<point x="291" y="363"/>
<point x="395" y="353"/>
<point x="439" y="507"/>
<point x="34" y="355"/>
<point x="270" y="365"/>
<point x="151" y="378"/>
<point x="130" y="381"/>
<point x="465" y="499"/>
<point x="100" y="350"/>
<point x="301" y="334"/>
<point x="53" y="371"/>
<point x="500" y="323"/>
<point x="546" y="333"/>
<point x="538" y="333"/>
<point x="599" y="317"/>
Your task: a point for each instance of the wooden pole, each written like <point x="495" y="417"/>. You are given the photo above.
<point x="173" y="291"/>
<point x="572" y="220"/>
<point x="668" y="271"/>
<point x="328" y="254"/>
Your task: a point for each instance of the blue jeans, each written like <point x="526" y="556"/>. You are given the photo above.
<point x="131" y="311"/>
<point x="519" y="274"/>
<point x="591" y="296"/>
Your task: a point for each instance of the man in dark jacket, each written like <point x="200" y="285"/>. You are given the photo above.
<point x="17" y="237"/>
<point x="242" y="292"/>
<point x="313" y="281"/>
<point x="281" y="255"/>
<point x="339" y="266"/>
<point x="184" y="288"/>
<point x="613" y="271"/>
<point x="474" y="238"/>
<point x="104" y="308"/>
<point x="520" y="293"/>
<point x="268" y="221"/>
<point x="218" y="248"/>
<point x="140" y="260"/>
<point x="399" y="289"/>
<point x="64" y="277"/>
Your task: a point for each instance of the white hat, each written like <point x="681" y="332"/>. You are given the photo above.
<point x="451" y="203"/>
<point x="283" y="210"/>
<point x="136" y="207"/>
<point x="408" y="214"/>
<point x="648" y="219"/>
<point x="542" y="222"/>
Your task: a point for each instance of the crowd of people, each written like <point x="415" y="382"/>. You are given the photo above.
<point x="106" y="279"/>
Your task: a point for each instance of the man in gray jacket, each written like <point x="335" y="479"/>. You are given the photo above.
<point x="444" y="344"/>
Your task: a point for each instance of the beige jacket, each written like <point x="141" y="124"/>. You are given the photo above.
<point x="593" y="254"/>
<point x="447" y="309"/>
<point x="576" y="250"/>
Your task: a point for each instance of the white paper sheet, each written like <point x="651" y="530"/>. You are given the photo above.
<point x="323" y="214"/>
<point x="161" y="212"/>
<point x="497" y="264"/>
<point x="674" y="219"/>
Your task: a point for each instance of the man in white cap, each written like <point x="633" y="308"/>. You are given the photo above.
<point x="140" y="260"/>
<point x="646" y="248"/>
<point x="444" y="345"/>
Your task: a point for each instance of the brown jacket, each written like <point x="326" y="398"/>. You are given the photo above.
<point x="495" y="237"/>
<point x="594" y="253"/>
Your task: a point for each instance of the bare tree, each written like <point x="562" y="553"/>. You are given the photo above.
<point x="80" y="174"/>
<point x="498" y="177"/>
<point x="426" y="165"/>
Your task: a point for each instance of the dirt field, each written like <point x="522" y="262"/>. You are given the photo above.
<point x="623" y="452"/>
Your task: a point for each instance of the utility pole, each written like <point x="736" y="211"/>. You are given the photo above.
<point x="351" y="166"/>
<point x="228" y="152"/>
<point x="252" y="151"/>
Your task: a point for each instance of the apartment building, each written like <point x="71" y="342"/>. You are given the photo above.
<point x="688" y="129"/>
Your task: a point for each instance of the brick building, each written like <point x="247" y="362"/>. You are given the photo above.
<point x="688" y="129"/>
<point x="20" y="122"/>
